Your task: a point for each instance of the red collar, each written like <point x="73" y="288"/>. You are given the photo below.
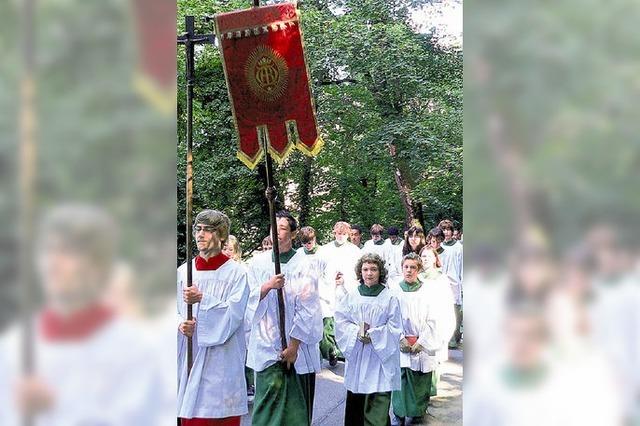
<point x="212" y="263"/>
<point x="77" y="326"/>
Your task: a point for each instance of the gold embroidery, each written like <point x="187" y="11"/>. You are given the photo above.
<point x="267" y="74"/>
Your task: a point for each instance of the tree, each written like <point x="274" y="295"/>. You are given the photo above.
<point x="389" y="107"/>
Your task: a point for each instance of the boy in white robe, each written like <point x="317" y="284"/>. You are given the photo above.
<point x="368" y="329"/>
<point x="376" y="243"/>
<point x="209" y="394"/>
<point x="438" y="285"/>
<point x="285" y="379"/>
<point x="452" y="266"/>
<point x="394" y="246"/>
<point x="421" y="339"/>
<point x="340" y="257"/>
<point x="355" y="236"/>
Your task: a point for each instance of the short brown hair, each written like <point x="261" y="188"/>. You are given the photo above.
<point x="436" y="233"/>
<point x="307" y="234"/>
<point x="376" y="260"/>
<point x="415" y="258"/>
<point x="214" y="218"/>
<point x="377" y="229"/>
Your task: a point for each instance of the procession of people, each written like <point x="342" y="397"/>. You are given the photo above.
<point x="387" y="308"/>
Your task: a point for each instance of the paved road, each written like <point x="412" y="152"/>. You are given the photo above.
<point x="444" y="409"/>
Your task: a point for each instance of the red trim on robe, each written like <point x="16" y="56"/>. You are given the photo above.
<point x="76" y="326"/>
<point x="227" y="421"/>
<point x="212" y="263"/>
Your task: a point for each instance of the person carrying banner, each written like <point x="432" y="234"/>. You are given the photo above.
<point x="285" y="378"/>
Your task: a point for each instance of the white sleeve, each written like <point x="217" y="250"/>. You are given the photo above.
<point x="219" y="319"/>
<point x="430" y="336"/>
<point x="385" y="338"/>
<point x="346" y="327"/>
<point x="307" y="316"/>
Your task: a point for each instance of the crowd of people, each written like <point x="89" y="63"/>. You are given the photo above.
<point x="388" y="308"/>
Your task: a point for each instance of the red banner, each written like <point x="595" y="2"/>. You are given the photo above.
<point x="155" y="79"/>
<point x="268" y="82"/>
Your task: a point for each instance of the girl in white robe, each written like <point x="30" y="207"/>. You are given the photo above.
<point x="368" y="329"/>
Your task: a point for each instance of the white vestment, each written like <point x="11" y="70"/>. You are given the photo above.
<point x="452" y="266"/>
<point x="303" y="319"/>
<point x="370" y="367"/>
<point x="109" y="378"/>
<point x="379" y="249"/>
<point x="394" y="259"/>
<point x="419" y="310"/>
<point x="439" y="290"/>
<point x="337" y="259"/>
<point x="216" y="387"/>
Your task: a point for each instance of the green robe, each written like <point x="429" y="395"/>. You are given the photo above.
<point x="367" y="409"/>
<point x="413" y="399"/>
<point x="283" y="397"/>
<point x="328" y="345"/>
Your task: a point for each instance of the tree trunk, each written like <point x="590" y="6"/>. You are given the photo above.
<point x="403" y="187"/>
<point x="305" y="191"/>
<point x="420" y="215"/>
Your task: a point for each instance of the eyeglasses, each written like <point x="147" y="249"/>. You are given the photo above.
<point x="205" y="228"/>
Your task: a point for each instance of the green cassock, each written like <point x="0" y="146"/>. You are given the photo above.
<point x="283" y="397"/>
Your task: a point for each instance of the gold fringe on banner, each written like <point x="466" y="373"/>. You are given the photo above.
<point x="164" y="100"/>
<point x="294" y="138"/>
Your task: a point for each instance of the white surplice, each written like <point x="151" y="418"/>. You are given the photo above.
<point x="452" y="266"/>
<point x="108" y="378"/>
<point x="438" y="288"/>
<point x="419" y="312"/>
<point x="370" y="367"/>
<point x="337" y="259"/>
<point x="303" y="319"/>
<point x="216" y="387"/>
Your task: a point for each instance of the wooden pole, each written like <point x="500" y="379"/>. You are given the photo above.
<point x="27" y="198"/>
<point x="189" y="202"/>
<point x="270" y="193"/>
<point x="190" y="39"/>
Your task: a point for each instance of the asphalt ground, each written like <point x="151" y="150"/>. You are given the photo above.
<point x="445" y="409"/>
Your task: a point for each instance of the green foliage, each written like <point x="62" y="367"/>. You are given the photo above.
<point x="376" y="83"/>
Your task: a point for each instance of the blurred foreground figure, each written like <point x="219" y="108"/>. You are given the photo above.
<point x="549" y="370"/>
<point x="614" y="314"/>
<point x="537" y="381"/>
<point x="90" y="365"/>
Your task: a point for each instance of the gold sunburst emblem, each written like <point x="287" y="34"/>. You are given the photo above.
<point x="267" y="73"/>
